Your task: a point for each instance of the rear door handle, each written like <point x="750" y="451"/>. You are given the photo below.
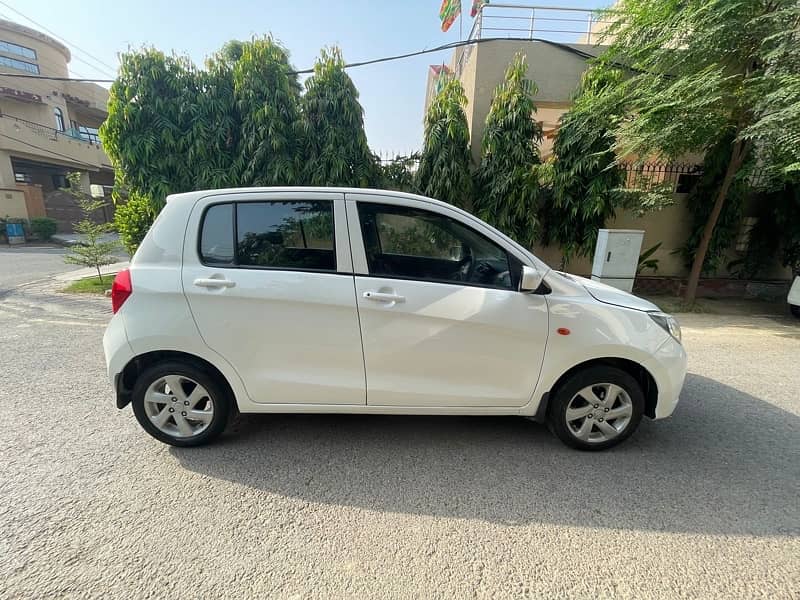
<point x="383" y="297"/>
<point x="211" y="282"/>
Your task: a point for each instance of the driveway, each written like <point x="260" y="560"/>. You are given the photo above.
<point x="704" y="504"/>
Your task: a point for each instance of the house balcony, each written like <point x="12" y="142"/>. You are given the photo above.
<point x="71" y="148"/>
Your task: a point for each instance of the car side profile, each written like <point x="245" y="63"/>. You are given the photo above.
<point x="332" y="300"/>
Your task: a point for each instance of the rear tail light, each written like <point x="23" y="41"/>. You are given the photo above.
<point x="121" y="289"/>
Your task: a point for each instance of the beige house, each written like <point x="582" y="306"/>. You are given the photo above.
<point x="558" y="43"/>
<point x="48" y="128"/>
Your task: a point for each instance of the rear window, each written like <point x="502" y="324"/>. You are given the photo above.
<point x="293" y="235"/>
<point x="286" y="235"/>
<point x="216" y="241"/>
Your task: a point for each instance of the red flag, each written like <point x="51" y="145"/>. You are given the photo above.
<point x="448" y="12"/>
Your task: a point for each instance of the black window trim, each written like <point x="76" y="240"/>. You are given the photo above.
<point x="235" y="229"/>
<point x="513" y="260"/>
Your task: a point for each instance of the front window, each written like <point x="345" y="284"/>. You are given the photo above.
<point x="409" y="243"/>
<point x="59" y="116"/>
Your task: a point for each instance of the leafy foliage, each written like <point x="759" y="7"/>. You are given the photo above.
<point x="444" y="168"/>
<point x="92" y="250"/>
<point x="43" y="227"/>
<point x="584" y="176"/>
<point x="702" y="70"/>
<point x="714" y="167"/>
<point x="336" y="144"/>
<point x="398" y="174"/>
<point x="646" y="260"/>
<point x="132" y="220"/>
<point x="268" y="100"/>
<point x="507" y="180"/>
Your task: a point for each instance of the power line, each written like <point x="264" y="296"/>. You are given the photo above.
<point x="64" y="40"/>
<point x="450" y="46"/>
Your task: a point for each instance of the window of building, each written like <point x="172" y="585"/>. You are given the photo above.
<point x="409" y="243"/>
<point x="19" y="64"/>
<point x="59" y="115"/>
<point x="23" y="177"/>
<point x="286" y="235"/>
<point x="89" y="134"/>
<point x="59" y="180"/>
<point x="12" y="48"/>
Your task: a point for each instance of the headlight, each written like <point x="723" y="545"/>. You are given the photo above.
<point x="668" y="323"/>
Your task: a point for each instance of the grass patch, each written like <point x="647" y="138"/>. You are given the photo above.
<point x="90" y="285"/>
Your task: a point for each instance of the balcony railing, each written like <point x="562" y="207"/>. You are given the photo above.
<point x="527" y="22"/>
<point x="53" y="134"/>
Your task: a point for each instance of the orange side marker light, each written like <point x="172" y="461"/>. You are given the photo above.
<point x="563" y="331"/>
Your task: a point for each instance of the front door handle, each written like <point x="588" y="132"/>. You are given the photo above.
<point x="212" y="282"/>
<point x="383" y="297"/>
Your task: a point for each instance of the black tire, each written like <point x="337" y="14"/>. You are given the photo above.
<point x="217" y="394"/>
<point x="557" y="408"/>
<point x="795" y="310"/>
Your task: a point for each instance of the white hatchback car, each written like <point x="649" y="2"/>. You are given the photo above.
<point x="330" y="300"/>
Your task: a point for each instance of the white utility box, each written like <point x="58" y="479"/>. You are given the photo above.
<point x="616" y="257"/>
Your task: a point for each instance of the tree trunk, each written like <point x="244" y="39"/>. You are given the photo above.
<point x="738" y="153"/>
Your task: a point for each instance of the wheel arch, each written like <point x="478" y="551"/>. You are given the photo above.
<point x="127" y="377"/>
<point x="634" y="369"/>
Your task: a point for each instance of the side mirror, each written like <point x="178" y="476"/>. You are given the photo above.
<point x="531" y="279"/>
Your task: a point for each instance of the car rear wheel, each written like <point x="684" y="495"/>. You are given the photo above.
<point x="596" y="408"/>
<point x="178" y="404"/>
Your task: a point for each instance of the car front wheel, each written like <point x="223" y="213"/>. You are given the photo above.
<point x="596" y="408"/>
<point x="179" y="404"/>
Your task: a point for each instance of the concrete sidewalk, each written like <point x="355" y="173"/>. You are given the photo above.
<point x="89" y="272"/>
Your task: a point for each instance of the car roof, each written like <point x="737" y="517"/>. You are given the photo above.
<point x="197" y="194"/>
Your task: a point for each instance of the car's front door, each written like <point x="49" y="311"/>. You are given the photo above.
<point x="268" y="277"/>
<point x="442" y="322"/>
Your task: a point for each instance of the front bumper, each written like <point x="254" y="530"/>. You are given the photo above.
<point x="668" y="368"/>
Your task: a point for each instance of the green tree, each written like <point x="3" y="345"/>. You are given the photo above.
<point x="701" y="70"/>
<point x="132" y="220"/>
<point x="336" y="151"/>
<point x="151" y="108"/>
<point x="91" y="250"/>
<point x="268" y="99"/>
<point x="399" y="174"/>
<point x="584" y="177"/>
<point x="715" y="164"/>
<point x="444" y="168"/>
<point x="508" y="185"/>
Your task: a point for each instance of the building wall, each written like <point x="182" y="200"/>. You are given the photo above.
<point x="28" y="127"/>
<point x="555" y="71"/>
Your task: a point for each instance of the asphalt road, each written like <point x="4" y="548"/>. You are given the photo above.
<point x="703" y="505"/>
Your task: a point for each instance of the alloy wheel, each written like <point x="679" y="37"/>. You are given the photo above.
<point x="178" y="406"/>
<point x="599" y="413"/>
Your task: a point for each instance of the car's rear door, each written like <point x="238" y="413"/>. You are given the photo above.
<point x="268" y="277"/>
<point x="442" y="322"/>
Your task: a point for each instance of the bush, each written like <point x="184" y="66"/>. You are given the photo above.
<point x="43" y="227"/>
<point x="132" y="221"/>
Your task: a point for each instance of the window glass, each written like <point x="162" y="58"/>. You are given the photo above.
<point x="19" y="64"/>
<point x="59" y="115"/>
<point x="417" y="244"/>
<point x="12" y="48"/>
<point x="216" y="241"/>
<point x="286" y="235"/>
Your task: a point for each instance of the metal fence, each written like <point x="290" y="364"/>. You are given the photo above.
<point x="530" y="21"/>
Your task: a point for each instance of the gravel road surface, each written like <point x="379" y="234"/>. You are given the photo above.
<point x="703" y="505"/>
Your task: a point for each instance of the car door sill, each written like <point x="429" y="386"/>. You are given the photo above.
<point x="252" y="407"/>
